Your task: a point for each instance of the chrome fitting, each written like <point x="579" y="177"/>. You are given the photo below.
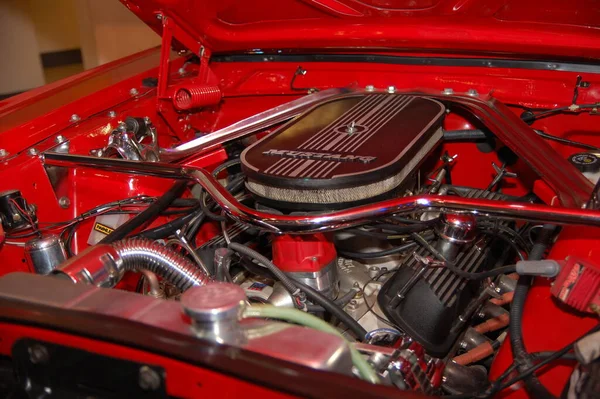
<point x="99" y="265"/>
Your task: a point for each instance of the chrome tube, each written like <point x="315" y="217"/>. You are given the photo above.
<point x="482" y="208"/>
<point x="250" y="125"/>
<point x="139" y="253"/>
<point x="503" y="210"/>
<point x="154" y="289"/>
<point x="103" y="265"/>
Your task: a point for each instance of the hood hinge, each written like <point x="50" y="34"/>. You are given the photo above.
<point x="172" y="30"/>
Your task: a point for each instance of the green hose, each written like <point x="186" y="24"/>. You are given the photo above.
<point x="297" y="316"/>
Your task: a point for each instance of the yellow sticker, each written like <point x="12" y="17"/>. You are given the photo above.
<point x="102" y="228"/>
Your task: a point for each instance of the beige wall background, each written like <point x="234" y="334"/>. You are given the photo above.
<point x="56" y="24"/>
<point x="104" y="30"/>
<point x="20" y="65"/>
<point x="109" y="31"/>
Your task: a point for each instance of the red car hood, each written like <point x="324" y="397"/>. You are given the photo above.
<point x="542" y="29"/>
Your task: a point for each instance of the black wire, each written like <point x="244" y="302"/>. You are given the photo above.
<point x="370" y="307"/>
<point x="497" y="386"/>
<point x="406" y="220"/>
<point x="367" y="233"/>
<point x="475" y="134"/>
<point x="208" y="212"/>
<point x="558" y="110"/>
<point x="410" y="228"/>
<point x="294" y="287"/>
<point x="195" y="227"/>
<point x="461" y="273"/>
<point x="549" y="359"/>
<point x="232" y="187"/>
<point x="546" y="354"/>
<point x="168" y="228"/>
<point x="335" y="310"/>
<point x="184" y="203"/>
<point x="566" y="141"/>
<point x="148" y="214"/>
<point x="507" y="240"/>
<point x="179" y="211"/>
<point x="225" y="165"/>
<point x="373" y="255"/>
<point x="341" y="301"/>
<point x="505" y="229"/>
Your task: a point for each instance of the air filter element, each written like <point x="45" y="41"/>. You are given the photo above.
<point x="343" y="152"/>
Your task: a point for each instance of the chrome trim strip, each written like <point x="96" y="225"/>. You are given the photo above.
<point x="251" y="125"/>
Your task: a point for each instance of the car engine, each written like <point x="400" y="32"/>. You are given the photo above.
<point x="356" y="212"/>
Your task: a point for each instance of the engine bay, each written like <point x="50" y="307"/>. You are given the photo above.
<point x="382" y="232"/>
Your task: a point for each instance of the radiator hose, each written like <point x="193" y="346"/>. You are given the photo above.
<point x="103" y="265"/>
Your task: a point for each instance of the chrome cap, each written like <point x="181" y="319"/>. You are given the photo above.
<point x="214" y="302"/>
<point x="456" y="227"/>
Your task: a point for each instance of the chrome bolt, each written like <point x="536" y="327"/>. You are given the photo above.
<point x="472" y="93"/>
<point x="3" y="153"/>
<point x="59" y="139"/>
<point x="391" y="89"/>
<point x="32" y="152"/>
<point x="122" y="127"/>
<point x="112" y="114"/>
<point x="181" y="71"/>
<point x="38" y="354"/>
<point x="369" y="88"/>
<point x="448" y="92"/>
<point x="314" y="258"/>
<point x="75" y="118"/>
<point x="463" y="344"/>
<point x="133" y="91"/>
<point x="373" y="271"/>
<point x="64" y="202"/>
<point x="481" y="315"/>
<point x="159" y="16"/>
<point x="148" y="379"/>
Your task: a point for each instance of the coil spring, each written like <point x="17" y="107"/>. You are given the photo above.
<point x="189" y="97"/>
<point x="139" y="253"/>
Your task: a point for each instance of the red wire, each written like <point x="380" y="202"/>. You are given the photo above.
<point x="27" y="215"/>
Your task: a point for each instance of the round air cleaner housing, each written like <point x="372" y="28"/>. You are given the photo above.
<point x="343" y="152"/>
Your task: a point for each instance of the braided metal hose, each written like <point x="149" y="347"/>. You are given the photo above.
<point x="143" y="254"/>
